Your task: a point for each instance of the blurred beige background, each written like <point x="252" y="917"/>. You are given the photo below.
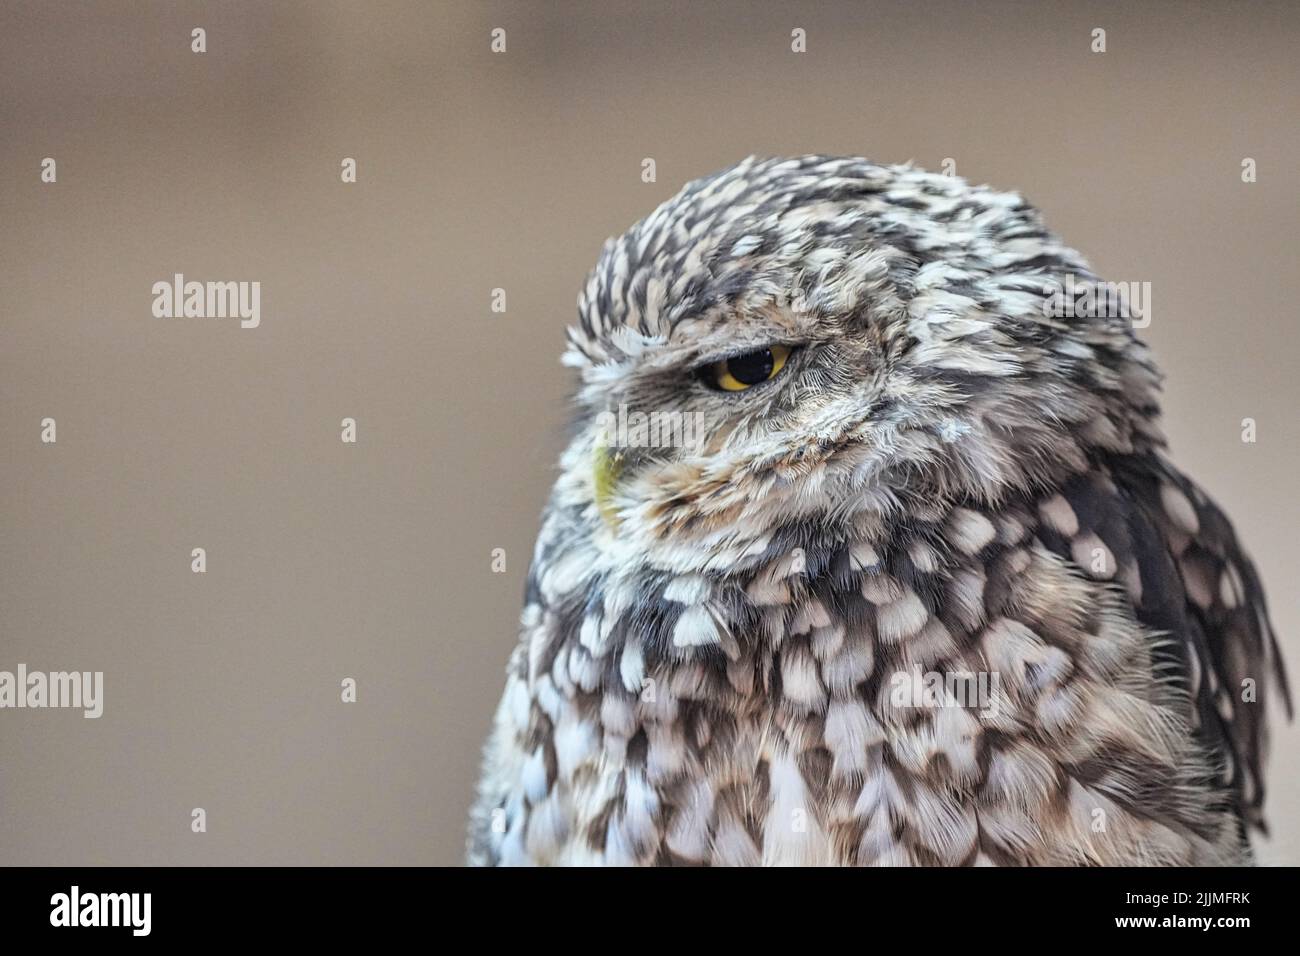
<point x="479" y="171"/>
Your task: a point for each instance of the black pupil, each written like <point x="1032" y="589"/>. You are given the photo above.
<point x="752" y="367"/>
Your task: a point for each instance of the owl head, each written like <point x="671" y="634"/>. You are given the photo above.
<point x="800" y="346"/>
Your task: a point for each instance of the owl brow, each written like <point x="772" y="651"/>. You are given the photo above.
<point x="712" y="358"/>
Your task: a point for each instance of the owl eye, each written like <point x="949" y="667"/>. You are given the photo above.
<point x="740" y="372"/>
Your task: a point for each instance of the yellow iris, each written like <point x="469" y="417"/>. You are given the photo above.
<point x="740" y="372"/>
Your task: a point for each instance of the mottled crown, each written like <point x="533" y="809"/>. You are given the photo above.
<point x="812" y="229"/>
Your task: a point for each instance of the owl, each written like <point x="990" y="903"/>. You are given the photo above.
<point x="866" y="550"/>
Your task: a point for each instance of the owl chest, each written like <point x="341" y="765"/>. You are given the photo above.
<point x="821" y="736"/>
<point x="769" y="786"/>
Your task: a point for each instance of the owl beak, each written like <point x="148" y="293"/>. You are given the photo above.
<point x="607" y="468"/>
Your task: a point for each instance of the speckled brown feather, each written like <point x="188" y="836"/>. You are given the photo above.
<point x="944" y="480"/>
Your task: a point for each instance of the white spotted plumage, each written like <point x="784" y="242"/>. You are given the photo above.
<point x="946" y="479"/>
